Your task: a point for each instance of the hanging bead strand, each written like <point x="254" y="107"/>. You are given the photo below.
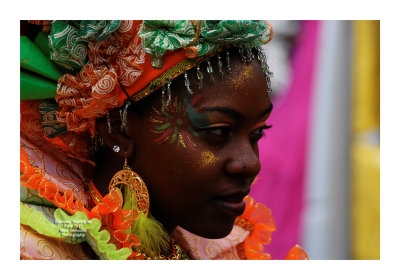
<point x="163" y="97"/>
<point x="124" y="117"/>
<point x="169" y="92"/>
<point x="265" y="68"/>
<point x="109" y="123"/>
<point x="210" y="70"/>
<point x="199" y="76"/>
<point x="228" y="63"/>
<point x="187" y="83"/>
<point x="220" y="73"/>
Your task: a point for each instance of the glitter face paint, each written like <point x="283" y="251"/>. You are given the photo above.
<point x="208" y="158"/>
<point x="239" y="81"/>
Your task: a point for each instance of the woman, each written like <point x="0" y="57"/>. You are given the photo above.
<point x="174" y="111"/>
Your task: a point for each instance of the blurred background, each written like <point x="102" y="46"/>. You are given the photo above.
<point x="320" y="162"/>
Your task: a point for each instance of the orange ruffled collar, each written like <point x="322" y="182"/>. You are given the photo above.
<point x="257" y="219"/>
<point x="109" y="211"/>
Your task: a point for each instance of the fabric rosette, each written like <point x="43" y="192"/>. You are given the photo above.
<point x="69" y="40"/>
<point x="159" y="36"/>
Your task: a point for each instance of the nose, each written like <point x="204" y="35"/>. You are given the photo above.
<point x="243" y="160"/>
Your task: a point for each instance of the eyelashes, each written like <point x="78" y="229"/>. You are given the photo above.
<point x="219" y="133"/>
<point x="258" y="133"/>
<point x="222" y="131"/>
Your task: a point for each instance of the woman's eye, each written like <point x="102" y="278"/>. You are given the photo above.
<point x="258" y="133"/>
<point x="219" y="134"/>
<point x="220" y="131"/>
<point x="216" y="135"/>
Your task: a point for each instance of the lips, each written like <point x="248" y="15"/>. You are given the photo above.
<point x="232" y="205"/>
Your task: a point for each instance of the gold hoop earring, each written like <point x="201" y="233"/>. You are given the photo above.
<point x="154" y="240"/>
<point x="131" y="180"/>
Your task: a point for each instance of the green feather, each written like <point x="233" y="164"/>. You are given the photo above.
<point x="153" y="237"/>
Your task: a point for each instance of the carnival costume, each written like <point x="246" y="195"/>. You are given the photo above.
<point x="73" y="72"/>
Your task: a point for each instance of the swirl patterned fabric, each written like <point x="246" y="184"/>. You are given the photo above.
<point x="94" y="90"/>
<point x="201" y="38"/>
<point x="47" y="110"/>
<point x="158" y="36"/>
<point x="69" y="40"/>
<point x="34" y="246"/>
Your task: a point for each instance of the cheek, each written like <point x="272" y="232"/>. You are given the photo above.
<point x="169" y="166"/>
<point x="177" y="182"/>
<point x="176" y="177"/>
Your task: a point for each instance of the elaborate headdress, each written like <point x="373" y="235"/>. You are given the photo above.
<point x="106" y="62"/>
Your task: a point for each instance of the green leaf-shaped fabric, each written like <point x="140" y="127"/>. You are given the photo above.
<point x="33" y="86"/>
<point x="33" y="59"/>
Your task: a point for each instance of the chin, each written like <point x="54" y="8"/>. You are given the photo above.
<point x="212" y="230"/>
<point x="217" y="235"/>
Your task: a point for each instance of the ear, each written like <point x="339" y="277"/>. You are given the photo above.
<point x="124" y="140"/>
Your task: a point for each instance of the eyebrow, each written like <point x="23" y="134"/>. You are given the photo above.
<point x="235" y="113"/>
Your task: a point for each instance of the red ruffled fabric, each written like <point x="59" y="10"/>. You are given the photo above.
<point x="261" y="225"/>
<point x="109" y="211"/>
<point x="296" y="253"/>
<point x="95" y="89"/>
<point x="257" y="219"/>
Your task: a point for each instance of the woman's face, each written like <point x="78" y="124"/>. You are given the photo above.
<point x="199" y="156"/>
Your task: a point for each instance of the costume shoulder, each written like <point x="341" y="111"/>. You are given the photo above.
<point x="55" y="210"/>
<point x="251" y="232"/>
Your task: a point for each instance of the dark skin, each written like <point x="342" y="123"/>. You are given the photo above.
<point x="198" y="186"/>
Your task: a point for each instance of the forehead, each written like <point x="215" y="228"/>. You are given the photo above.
<point x="243" y="90"/>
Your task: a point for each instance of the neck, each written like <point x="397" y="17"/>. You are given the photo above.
<point x="168" y="228"/>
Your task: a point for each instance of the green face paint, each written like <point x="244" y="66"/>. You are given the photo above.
<point x="198" y="120"/>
